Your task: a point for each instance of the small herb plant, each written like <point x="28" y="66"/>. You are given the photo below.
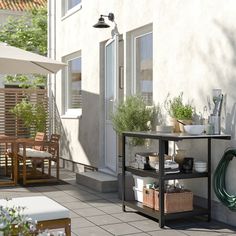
<point x="185" y="112"/>
<point x="177" y="109"/>
<point x="133" y="115"/>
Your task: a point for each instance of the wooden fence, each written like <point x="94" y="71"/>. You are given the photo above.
<point x="9" y="97"/>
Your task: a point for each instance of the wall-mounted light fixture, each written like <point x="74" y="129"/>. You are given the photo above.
<point x="101" y="22"/>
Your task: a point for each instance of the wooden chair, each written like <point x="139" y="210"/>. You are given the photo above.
<point x="39" y="158"/>
<point x="40" y="136"/>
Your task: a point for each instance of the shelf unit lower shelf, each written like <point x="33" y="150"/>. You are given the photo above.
<point x="154" y="174"/>
<point x="197" y="211"/>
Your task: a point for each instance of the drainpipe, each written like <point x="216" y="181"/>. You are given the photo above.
<point x="52" y="54"/>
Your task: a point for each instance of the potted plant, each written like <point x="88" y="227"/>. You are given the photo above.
<point x="179" y="111"/>
<point x="133" y="115"/>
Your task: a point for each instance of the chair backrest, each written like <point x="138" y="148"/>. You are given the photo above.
<point x="54" y="145"/>
<point x="40" y="136"/>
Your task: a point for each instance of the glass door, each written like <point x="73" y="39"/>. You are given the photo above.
<point x="111" y="98"/>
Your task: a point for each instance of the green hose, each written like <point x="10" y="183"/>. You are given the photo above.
<point x="219" y="180"/>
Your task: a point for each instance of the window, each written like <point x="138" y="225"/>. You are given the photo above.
<point x="70" y="6"/>
<point x="72" y="3"/>
<point x="142" y="58"/>
<point x="73" y="98"/>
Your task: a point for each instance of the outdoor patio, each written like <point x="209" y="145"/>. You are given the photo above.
<point x="100" y="214"/>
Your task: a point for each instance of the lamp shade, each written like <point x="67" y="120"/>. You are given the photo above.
<point x="101" y="23"/>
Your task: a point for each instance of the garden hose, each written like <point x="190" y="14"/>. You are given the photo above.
<point x="219" y="180"/>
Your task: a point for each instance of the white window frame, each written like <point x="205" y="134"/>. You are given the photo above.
<point x="67" y="12"/>
<point x="134" y="35"/>
<point x="70" y="112"/>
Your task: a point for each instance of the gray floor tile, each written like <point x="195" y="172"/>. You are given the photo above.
<point x="201" y="231"/>
<point x="90" y="211"/>
<point x="98" y="202"/>
<point x="54" y="194"/>
<point x="217" y="226"/>
<point x="128" y="217"/>
<point x="145" y="225"/>
<point x="91" y="231"/>
<point x="167" y="232"/>
<point x="86" y="196"/>
<point x="76" y="205"/>
<point x="73" y="215"/>
<point x="94" y="213"/>
<point x="63" y="199"/>
<point x="140" y="234"/>
<point x="45" y="189"/>
<point x="121" y="229"/>
<point x="108" y="195"/>
<point x="103" y="220"/>
<point x="111" y="209"/>
<point x="80" y="222"/>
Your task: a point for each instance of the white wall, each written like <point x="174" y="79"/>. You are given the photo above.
<point x="194" y="51"/>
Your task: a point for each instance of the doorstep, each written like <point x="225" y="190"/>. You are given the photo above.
<point x="98" y="181"/>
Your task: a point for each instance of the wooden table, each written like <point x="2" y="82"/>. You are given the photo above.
<point x="11" y="142"/>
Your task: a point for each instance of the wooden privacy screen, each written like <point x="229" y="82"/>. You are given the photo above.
<point x="9" y="97"/>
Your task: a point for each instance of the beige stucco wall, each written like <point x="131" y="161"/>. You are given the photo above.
<point x="194" y="51"/>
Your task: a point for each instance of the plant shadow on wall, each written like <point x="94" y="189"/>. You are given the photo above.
<point x="133" y="115"/>
<point x="219" y="59"/>
<point x="229" y="78"/>
<point x="57" y="127"/>
<point x="89" y="125"/>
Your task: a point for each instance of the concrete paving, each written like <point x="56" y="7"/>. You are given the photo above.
<point x="100" y="214"/>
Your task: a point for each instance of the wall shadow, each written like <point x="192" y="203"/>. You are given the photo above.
<point x="89" y="131"/>
<point x="220" y="60"/>
<point x="91" y="127"/>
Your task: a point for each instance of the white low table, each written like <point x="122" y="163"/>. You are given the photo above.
<point x="48" y="213"/>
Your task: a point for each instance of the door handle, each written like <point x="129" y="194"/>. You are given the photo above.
<point x="121" y="77"/>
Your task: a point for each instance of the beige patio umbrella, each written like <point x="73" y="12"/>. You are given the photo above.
<point x="14" y="60"/>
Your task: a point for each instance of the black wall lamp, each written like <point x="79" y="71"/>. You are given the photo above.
<point x="101" y="22"/>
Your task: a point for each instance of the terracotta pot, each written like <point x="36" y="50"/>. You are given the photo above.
<point x="175" y="124"/>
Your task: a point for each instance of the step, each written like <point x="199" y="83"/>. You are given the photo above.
<point x="98" y="181"/>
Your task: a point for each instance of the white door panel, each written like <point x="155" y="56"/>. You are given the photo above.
<point x="111" y="96"/>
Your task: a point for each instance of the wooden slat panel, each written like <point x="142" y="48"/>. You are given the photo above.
<point x="9" y="97"/>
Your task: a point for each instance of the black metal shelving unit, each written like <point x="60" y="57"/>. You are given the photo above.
<point x="164" y="138"/>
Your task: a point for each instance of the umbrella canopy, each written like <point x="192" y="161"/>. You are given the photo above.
<point x="14" y="60"/>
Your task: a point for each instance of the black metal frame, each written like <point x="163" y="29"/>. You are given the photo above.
<point x="163" y="148"/>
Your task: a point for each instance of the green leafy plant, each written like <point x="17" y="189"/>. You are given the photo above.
<point x="177" y="109"/>
<point x="185" y="112"/>
<point x="33" y="115"/>
<point x="14" y="222"/>
<point x="133" y="115"/>
<point x="28" y="32"/>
